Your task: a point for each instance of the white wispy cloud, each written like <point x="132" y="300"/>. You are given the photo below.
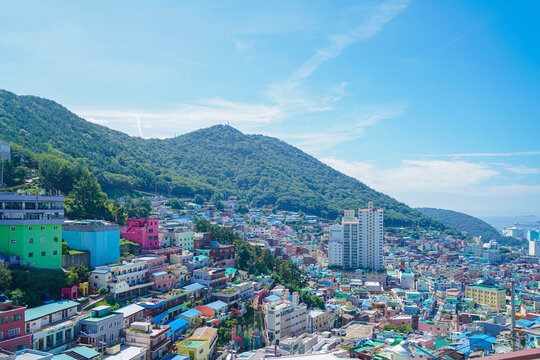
<point x="438" y="176"/>
<point x="243" y="45"/>
<point x="494" y="154"/>
<point x="315" y="141"/>
<point x="185" y="118"/>
<point x="523" y="170"/>
<point x="284" y="99"/>
<point x="284" y="92"/>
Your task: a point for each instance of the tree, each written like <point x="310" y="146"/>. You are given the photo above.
<point x="65" y="248"/>
<point x="5" y="279"/>
<point x="18" y="297"/>
<point x="81" y="272"/>
<point x="87" y="200"/>
<point x="102" y="290"/>
<point x="72" y="278"/>
<point x="174" y="203"/>
<point x="198" y="199"/>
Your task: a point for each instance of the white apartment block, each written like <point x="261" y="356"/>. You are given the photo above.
<point x="286" y="318"/>
<point x="363" y="237"/>
<point x="122" y="280"/>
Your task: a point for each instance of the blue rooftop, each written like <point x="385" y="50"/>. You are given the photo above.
<point x="178" y="324"/>
<point x="100" y="271"/>
<point x="84" y="351"/>
<point x="272" y="298"/>
<point x="216" y="305"/>
<point x="191" y="313"/>
<point x="40" y="311"/>
<point x="194" y="287"/>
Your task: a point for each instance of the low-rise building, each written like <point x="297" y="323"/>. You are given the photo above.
<point x="132" y="313"/>
<point x="103" y="326"/>
<point x="53" y="325"/>
<point x="13" y="336"/>
<point x="491" y="296"/>
<point x="123" y="280"/>
<point x="154" y="337"/>
<point x="213" y="278"/>
<point x="286" y="318"/>
<point x="320" y="320"/>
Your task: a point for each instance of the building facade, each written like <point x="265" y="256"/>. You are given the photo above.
<point x="102" y="327"/>
<point x="142" y="231"/>
<point x="491" y="296"/>
<point x="100" y="238"/>
<point x="31" y="229"/>
<point x="13" y="336"/>
<point x="286" y="318"/>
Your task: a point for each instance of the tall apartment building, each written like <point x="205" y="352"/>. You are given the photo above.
<point x="286" y="318"/>
<point x="31" y="229"/>
<point x="335" y="246"/>
<point x="123" y="280"/>
<point x="362" y="240"/>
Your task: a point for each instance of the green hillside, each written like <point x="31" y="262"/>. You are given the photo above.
<point x="261" y="170"/>
<point x="463" y="222"/>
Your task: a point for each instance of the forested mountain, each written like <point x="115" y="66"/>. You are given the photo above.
<point x="261" y="170"/>
<point x="463" y="222"/>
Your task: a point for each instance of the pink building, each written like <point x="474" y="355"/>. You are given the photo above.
<point x="13" y="335"/>
<point x="154" y="263"/>
<point x="142" y="231"/>
<point x="163" y="281"/>
<point x="436" y="329"/>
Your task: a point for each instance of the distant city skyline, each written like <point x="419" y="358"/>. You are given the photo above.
<point x="432" y="103"/>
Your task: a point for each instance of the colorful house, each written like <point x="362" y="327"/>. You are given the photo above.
<point x="31" y="229"/>
<point x="100" y="238"/>
<point x="142" y="231"/>
<point x="13" y="335"/>
<point x="194" y="316"/>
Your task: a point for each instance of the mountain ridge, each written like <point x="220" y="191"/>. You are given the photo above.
<point x="463" y="222"/>
<point x="219" y="159"/>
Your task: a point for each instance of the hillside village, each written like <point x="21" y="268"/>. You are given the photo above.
<point x="195" y="282"/>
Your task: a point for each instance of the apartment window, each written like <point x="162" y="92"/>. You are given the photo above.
<point x="14" y="332"/>
<point x="55" y="252"/>
<point x="1" y="335"/>
<point x="4" y="320"/>
<point x="13" y="241"/>
<point x="30" y="254"/>
<point x="56" y="239"/>
<point x="42" y="240"/>
<point x="43" y="253"/>
<point x="101" y="328"/>
<point x="55" y="227"/>
<point x="43" y="228"/>
<point x="12" y="228"/>
<point x="30" y="241"/>
<point x="30" y="228"/>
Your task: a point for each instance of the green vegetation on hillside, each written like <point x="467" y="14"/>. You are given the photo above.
<point x="259" y="169"/>
<point x="257" y="261"/>
<point x="463" y="222"/>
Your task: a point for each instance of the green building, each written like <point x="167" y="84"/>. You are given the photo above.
<point x="31" y="229"/>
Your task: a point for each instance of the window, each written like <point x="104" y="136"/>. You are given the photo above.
<point x="101" y="328"/>
<point x="30" y="228"/>
<point x="14" y="332"/>
<point x="1" y="335"/>
<point x="43" y="253"/>
<point x="56" y="239"/>
<point x="12" y="228"/>
<point x="42" y="240"/>
<point x="55" y="252"/>
<point x="55" y="227"/>
<point x="13" y="241"/>
<point x="31" y="254"/>
<point x="43" y="228"/>
<point x="4" y="320"/>
<point x="30" y="241"/>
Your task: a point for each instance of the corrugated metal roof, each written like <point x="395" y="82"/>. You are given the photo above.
<point x="40" y="311"/>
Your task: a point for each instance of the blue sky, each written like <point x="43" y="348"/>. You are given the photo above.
<point x="432" y="102"/>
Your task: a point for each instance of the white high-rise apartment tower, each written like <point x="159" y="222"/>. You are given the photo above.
<point x="363" y="239"/>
